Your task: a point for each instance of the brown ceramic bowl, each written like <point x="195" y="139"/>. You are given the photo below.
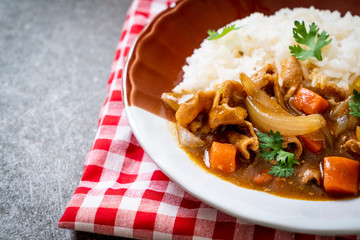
<point x="160" y="52"/>
<point x="155" y="66"/>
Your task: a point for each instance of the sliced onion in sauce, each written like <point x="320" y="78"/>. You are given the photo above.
<point x="358" y="132"/>
<point x="187" y="139"/>
<point x="266" y="114"/>
<point x="267" y="119"/>
<point x="253" y="91"/>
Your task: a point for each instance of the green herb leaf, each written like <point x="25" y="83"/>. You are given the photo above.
<point x="285" y="157"/>
<point x="269" y="144"/>
<point x="215" y="35"/>
<point x="281" y="171"/>
<point x="354" y="105"/>
<point x="271" y="148"/>
<point x="311" y="39"/>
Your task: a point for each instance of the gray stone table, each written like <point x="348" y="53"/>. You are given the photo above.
<point x="55" y="60"/>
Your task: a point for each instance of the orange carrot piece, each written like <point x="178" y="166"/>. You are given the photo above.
<point x="312" y="145"/>
<point x="309" y="102"/>
<point x="341" y="175"/>
<point x="263" y="178"/>
<point x="222" y="157"/>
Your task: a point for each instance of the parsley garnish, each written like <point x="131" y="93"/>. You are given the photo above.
<point x="270" y="146"/>
<point x="215" y="35"/>
<point x="354" y="106"/>
<point x="312" y="39"/>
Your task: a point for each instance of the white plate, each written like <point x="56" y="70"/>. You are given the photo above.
<point x="317" y="217"/>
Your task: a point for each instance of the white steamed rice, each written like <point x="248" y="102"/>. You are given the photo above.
<point x="266" y="40"/>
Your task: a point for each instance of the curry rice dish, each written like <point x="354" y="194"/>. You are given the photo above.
<point x="272" y="103"/>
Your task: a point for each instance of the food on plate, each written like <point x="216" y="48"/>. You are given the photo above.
<point x="272" y="103"/>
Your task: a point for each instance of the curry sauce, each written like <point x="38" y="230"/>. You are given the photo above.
<point x="302" y="135"/>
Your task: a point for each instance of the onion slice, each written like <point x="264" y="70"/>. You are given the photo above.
<point x="266" y="114"/>
<point x="358" y="132"/>
<point x="267" y="119"/>
<point x="256" y="93"/>
<point x="187" y="139"/>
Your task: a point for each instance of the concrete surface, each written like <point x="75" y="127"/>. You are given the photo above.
<point x="55" y="60"/>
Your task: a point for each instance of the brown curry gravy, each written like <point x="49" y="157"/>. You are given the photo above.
<point x="284" y="187"/>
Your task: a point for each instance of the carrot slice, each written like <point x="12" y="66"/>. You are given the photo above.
<point x="309" y="102"/>
<point x="312" y="145"/>
<point x="341" y="175"/>
<point x="263" y="178"/>
<point x="222" y="157"/>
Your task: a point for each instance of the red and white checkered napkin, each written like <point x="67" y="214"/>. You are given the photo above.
<point x="123" y="193"/>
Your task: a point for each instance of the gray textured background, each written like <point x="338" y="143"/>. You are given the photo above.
<point x="54" y="64"/>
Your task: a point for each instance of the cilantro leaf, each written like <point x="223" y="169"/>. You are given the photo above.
<point x="281" y="171"/>
<point x="215" y="35"/>
<point x="311" y="39"/>
<point x="285" y="157"/>
<point x="354" y="105"/>
<point x="270" y="146"/>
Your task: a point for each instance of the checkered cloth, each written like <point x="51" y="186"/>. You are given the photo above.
<point x="123" y="193"/>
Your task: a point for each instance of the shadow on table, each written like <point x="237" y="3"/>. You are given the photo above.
<point x="94" y="236"/>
